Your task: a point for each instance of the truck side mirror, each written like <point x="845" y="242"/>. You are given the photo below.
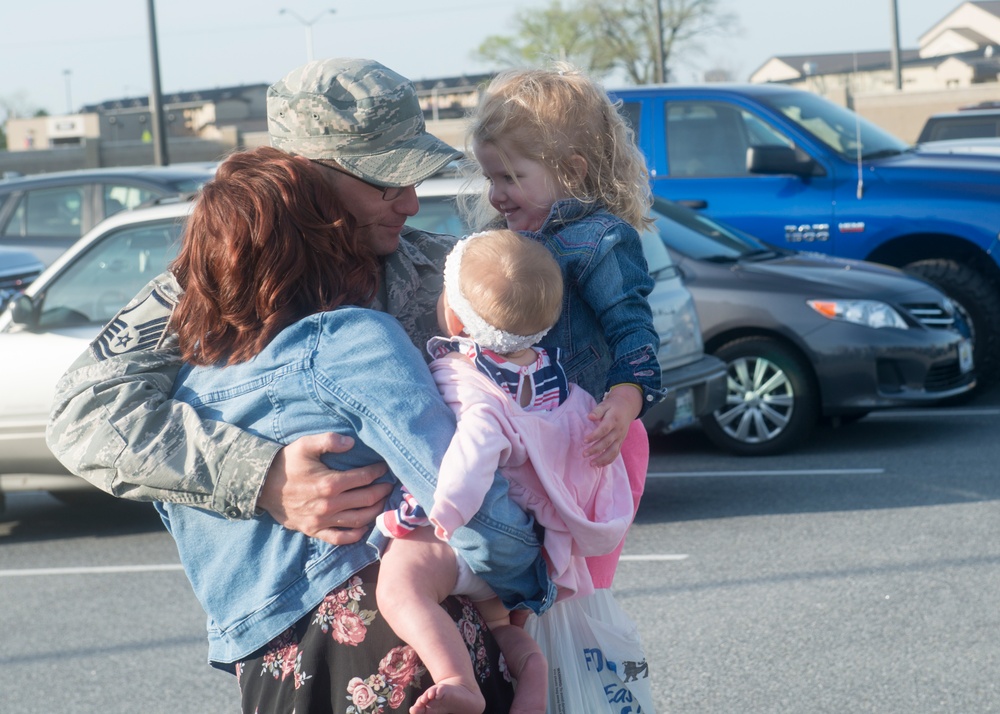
<point x="771" y="160"/>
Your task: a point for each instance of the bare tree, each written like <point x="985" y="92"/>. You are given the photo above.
<point x="645" y="35"/>
<point x="543" y="34"/>
<point x="639" y="38"/>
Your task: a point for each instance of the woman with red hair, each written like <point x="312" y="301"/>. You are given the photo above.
<point x="276" y="338"/>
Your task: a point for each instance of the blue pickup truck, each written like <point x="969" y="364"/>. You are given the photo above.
<point x="803" y="173"/>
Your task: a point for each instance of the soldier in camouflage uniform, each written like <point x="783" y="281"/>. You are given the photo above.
<point x="113" y="422"/>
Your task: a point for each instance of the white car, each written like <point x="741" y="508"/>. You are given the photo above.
<point x="44" y="330"/>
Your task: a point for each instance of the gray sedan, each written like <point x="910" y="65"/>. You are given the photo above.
<point x="807" y="335"/>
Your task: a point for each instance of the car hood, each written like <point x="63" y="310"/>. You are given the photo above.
<point x="17" y="262"/>
<point x="824" y="276"/>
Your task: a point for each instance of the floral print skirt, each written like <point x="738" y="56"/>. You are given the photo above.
<point x="342" y="658"/>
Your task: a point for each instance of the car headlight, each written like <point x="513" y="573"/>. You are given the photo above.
<point x="870" y="313"/>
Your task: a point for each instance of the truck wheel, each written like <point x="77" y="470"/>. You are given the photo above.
<point x="979" y="303"/>
<point x="772" y="403"/>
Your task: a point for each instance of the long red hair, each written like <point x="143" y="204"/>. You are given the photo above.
<point x="267" y="244"/>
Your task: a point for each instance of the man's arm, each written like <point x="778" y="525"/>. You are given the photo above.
<point x="113" y="424"/>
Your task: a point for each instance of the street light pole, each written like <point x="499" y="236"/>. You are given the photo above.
<point x="897" y="71"/>
<point x="69" y="97"/>
<point x="160" y="157"/>
<point x="308" y="24"/>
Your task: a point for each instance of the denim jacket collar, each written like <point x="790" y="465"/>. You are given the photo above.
<point x="567" y="210"/>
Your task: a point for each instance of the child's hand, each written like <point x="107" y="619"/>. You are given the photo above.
<point x="613" y="415"/>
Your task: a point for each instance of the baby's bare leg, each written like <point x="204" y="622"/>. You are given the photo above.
<point x="524" y="658"/>
<point x="416" y="574"/>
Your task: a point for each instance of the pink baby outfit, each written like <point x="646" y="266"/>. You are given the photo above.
<point x="585" y="510"/>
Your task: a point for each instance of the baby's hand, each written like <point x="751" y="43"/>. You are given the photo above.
<point x="614" y="415"/>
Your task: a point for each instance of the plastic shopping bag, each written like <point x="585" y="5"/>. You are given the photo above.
<point x="596" y="661"/>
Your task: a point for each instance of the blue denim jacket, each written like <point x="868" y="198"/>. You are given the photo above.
<point x="606" y="329"/>
<point x="352" y="371"/>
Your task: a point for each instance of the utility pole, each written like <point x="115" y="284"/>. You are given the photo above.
<point x="67" y="73"/>
<point x="309" y="27"/>
<point x="660" y="71"/>
<point x="897" y="71"/>
<point x="155" y="100"/>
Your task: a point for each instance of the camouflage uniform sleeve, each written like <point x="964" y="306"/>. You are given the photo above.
<point x="113" y="422"/>
<point x="413" y="276"/>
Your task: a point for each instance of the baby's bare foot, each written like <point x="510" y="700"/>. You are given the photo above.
<point x="449" y="697"/>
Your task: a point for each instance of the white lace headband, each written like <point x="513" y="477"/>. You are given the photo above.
<point x="485" y="334"/>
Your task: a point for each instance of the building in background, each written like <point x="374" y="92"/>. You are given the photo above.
<point x="957" y="64"/>
<point x="202" y="125"/>
<point x="961" y="50"/>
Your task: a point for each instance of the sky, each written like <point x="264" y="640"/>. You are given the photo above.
<point x="60" y="55"/>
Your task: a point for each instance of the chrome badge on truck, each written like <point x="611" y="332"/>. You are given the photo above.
<point x="807" y="232"/>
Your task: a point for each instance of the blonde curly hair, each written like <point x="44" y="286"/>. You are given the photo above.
<point x="553" y="115"/>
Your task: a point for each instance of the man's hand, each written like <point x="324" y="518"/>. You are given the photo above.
<point x="302" y="494"/>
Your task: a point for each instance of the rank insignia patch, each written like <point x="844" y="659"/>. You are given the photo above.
<point x="137" y="327"/>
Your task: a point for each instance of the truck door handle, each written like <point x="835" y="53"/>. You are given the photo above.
<point x="695" y="203"/>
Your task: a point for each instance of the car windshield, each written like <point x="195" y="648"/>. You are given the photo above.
<point x="842" y="130"/>
<point x="188" y="185"/>
<point x="697" y="237"/>
<point x="94" y="287"/>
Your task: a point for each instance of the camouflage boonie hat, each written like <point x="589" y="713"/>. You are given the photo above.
<point x="360" y="114"/>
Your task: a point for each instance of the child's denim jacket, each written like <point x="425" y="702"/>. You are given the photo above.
<point x="606" y="329"/>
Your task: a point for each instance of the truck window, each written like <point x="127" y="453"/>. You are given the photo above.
<point x="705" y="139"/>
<point x="630" y="113"/>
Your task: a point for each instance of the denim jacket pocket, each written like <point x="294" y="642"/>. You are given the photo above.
<point x="580" y="362"/>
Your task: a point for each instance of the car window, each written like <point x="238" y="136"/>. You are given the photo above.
<point x="696" y="236"/>
<point x="54" y="212"/>
<point x="119" y="197"/>
<point x="187" y="185"/>
<point x="760" y="133"/>
<point x="962" y="128"/>
<point x="705" y="139"/>
<point x="839" y="128"/>
<point x="102" y="280"/>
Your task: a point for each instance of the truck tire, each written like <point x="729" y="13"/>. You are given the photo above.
<point x="772" y="402"/>
<point x="979" y="301"/>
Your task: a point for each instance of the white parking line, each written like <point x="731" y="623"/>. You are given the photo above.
<point x="775" y="472"/>
<point x="939" y="412"/>
<point x="106" y="569"/>
<point x="98" y="569"/>
<point x="653" y="557"/>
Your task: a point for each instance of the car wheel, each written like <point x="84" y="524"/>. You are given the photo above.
<point x="978" y="302"/>
<point x="771" y="402"/>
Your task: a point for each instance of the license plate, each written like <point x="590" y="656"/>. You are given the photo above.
<point x="965" y="356"/>
<point x="684" y="414"/>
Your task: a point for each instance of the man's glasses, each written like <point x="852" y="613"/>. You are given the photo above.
<point x="389" y="193"/>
